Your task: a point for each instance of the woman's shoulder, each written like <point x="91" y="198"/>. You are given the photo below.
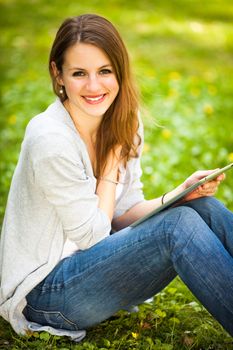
<point x="51" y="132"/>
<point x="55" y="119"/>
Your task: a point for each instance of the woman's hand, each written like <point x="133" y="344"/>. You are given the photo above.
<point x="207" y="189"/>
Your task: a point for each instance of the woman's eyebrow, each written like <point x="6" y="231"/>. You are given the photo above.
<point x="106" y="65"/>
<point x="78" y="68"/>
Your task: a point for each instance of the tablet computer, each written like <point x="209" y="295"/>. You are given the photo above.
<point x="179" y="196"/>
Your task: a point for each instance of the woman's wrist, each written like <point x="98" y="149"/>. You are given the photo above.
<point x="168" y="195"/>
<point x="108" y="180"/>
<point x="163" y="198"/>
<point x="110" y="175"/>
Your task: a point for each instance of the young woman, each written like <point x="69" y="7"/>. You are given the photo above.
<point x="78" y="180"/>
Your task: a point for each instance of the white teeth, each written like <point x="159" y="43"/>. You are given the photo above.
<point x="94" y="98"/>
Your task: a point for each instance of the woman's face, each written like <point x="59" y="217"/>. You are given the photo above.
<point x="89" y="79"/>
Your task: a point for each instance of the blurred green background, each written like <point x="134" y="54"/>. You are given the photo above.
<point x="182" y="57"/>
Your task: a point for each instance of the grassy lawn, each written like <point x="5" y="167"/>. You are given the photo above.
<point x="182" y="56"/>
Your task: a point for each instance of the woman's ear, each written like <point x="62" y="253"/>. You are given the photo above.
<point x="56" y="73"/>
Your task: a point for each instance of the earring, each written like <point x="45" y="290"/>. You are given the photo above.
<point x="61" y="91"/>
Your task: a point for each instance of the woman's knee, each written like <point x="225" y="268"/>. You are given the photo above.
<point x="174" y="227"/>
<point x="167" y="221"/>
<point x="207" y="204"/>
<point x="183" y="216"/>
<point x="186" y="222"/>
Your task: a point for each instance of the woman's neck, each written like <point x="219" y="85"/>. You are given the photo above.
<point x="86" y="125"/>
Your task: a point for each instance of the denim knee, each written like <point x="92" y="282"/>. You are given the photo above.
<point x="182" y="217"/>
<point x="186" y="223"/>
<point x="207" y="204"/>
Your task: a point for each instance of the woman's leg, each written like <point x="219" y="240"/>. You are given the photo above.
<point x="217" y="217"/>
<point x="133" y="265"/>
<point x="92" y="285"/>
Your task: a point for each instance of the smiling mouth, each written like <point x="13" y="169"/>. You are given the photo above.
<point x="94" y="99"/>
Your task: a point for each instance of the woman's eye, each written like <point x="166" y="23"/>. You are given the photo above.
<point x="78" y="74"/>
<point x="105" y="71"/>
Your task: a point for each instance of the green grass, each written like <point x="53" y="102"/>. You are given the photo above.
<point x="174" y="320"/>
<point x="182" y="58"/>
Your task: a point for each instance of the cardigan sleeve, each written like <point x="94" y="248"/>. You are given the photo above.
<point x="62" y="179"/>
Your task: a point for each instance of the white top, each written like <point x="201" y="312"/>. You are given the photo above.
<point x="52" y="198"/>
<point x="70" y="247"/>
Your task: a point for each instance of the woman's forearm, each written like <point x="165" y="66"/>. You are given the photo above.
<point x="141" y="209"/>
<point x="106" y="188"/>
<point x="144" y="208"/>
<point x="106" y="191"/>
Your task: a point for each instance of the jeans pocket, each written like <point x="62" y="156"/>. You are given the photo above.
<point x="54" y="319"/>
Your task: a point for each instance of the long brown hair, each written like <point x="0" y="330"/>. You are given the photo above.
<point x="119" y="124"/>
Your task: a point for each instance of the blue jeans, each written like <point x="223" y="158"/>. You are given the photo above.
<point x="194" y="240"/>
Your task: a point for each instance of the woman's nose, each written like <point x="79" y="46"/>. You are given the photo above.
<point x="93" y="83"/>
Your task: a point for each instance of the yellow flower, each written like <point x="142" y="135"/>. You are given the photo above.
<point x="173" y="93"/>
<point x="230" y="157"/>
<point x="12" y="119"/>
<point x="174" y="76"/>
<point x="166" y="134"/>
<point x="146" y="148"/>
<point x="208" y="109"/>
<point x="135" y="335"/>
<point x="195" y="92"/>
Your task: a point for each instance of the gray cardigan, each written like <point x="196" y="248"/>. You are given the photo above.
<point x="52" y="198"/>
